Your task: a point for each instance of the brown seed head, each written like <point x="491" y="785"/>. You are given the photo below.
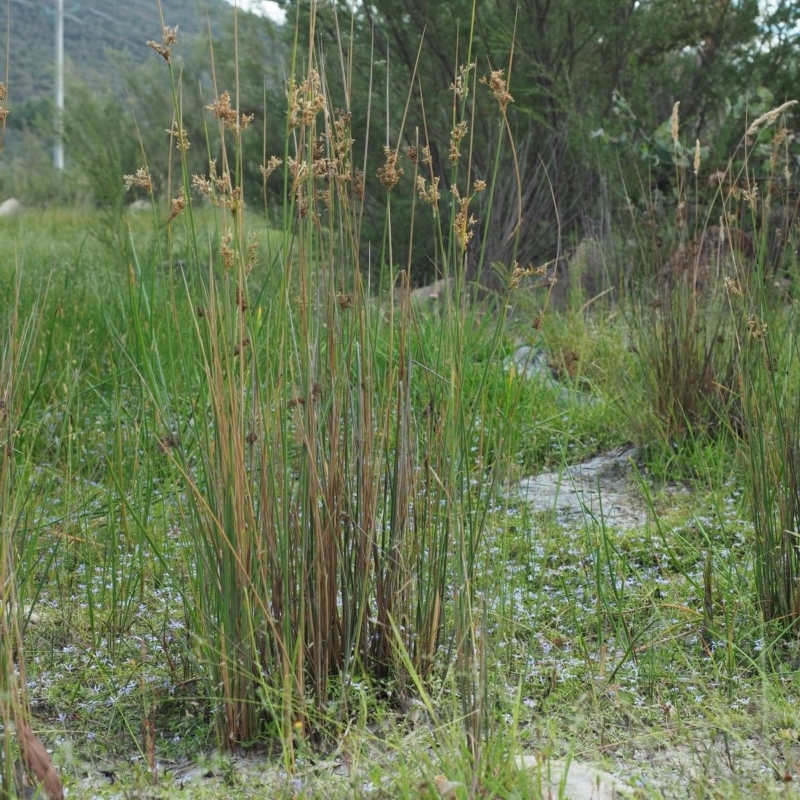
<point x="178" y="204"/>
<point x="456" y="137"/>
<point x="140" y="179"/>
<point x="3" y="109"/>
<point x="430" y="194"/>
<point x="305" y="100"/>
<point x="178" y="133"/>
<point x="273" y="164"/>
<point x="499" y="88"/>
<point x="229" y="117"/>
<point x="389" y="174"/>
<point x="241" y="299"/>
<point x="464" y="223"/>
<point x="358" y="184"/>
<point x="168" y="38"/>
<point x="226" y="251"/>
<point x="203" y="186"/>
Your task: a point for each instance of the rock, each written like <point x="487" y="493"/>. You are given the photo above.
<point x="575" y="780"/>
<point x="138" y="205"/>
<point x="604" y="486"/>
<point x="529" y="362"/>
<point x="10" y="207"/>
<point x="432" y="293"/>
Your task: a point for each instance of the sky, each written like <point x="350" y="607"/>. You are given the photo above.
<point x="264" y="8"/>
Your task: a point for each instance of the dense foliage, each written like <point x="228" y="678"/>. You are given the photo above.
<point x="593" y="86"/>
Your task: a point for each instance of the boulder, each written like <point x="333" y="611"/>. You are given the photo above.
<point x="10" y="207"/>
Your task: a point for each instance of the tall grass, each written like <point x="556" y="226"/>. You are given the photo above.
<point x="717" y="342"/>
<point x="22" y="756"/>
<point x="684" y="333"/>
<point x="770" y="370"/>
<point x="330" y="460"/>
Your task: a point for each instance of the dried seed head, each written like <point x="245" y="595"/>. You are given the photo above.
<point x="252" y="253"/>
<point x="167" y="443"/>
<point x="460" y="87"/>
<point x="229" y="117"/>
<point x="430" y="194"/>
<point x="226" y="251"/>
<point x="499" y="88"/>
<point x="456" y="137"/>
<point x="675" y="126"/>
<point x="756" y="327"/>
<point x="141" y="179"/>
<point x="750" y="196"/>
<point x="463" y="224"/>
<point x="178" y="133"/>
<point x="178" y="204"/>
<point x="203" y="186"/>
<point x="358" y="184"/>
<point x="241" y="299"/>
<point x="769" y="117"/>
<point x="168" y="38"/>
<point x="221" y="108"/>
<point x="344" y="300"/>
<point x="236" y="202"/>
<point x="389" y="174"/>
<point x="305" y="100"/>
<point x="273" y="164"/>
<point x="517" y="274"/>
<point x="3" y="109"/>
<point x="696" y="156"/>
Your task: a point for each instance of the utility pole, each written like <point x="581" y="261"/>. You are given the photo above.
<point x="58" y="149"/>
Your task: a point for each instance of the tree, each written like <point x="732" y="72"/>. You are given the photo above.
<point x="567" y="62"/>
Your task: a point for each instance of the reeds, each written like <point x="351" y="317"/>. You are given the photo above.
<point x="770" y="369"/>
<point x="717" y="340"/>
<point x="22" y="755"/>
<point x="329" y="496"/>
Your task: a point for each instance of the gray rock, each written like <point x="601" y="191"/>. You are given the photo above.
<point x="10" y="207"/>
<point x="575" y="780"/>
<point x="603" y="488"/>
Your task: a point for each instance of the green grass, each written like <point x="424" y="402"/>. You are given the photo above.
<point x="261" y="526"/>
<point x="591" y="639"/>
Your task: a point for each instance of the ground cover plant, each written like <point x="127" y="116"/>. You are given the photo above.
<point x="262" y="531"/>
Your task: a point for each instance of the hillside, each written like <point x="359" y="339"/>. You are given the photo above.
<point x="101" y="38"/>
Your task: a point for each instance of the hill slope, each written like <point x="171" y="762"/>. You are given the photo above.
<point x="99" y="37"/>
